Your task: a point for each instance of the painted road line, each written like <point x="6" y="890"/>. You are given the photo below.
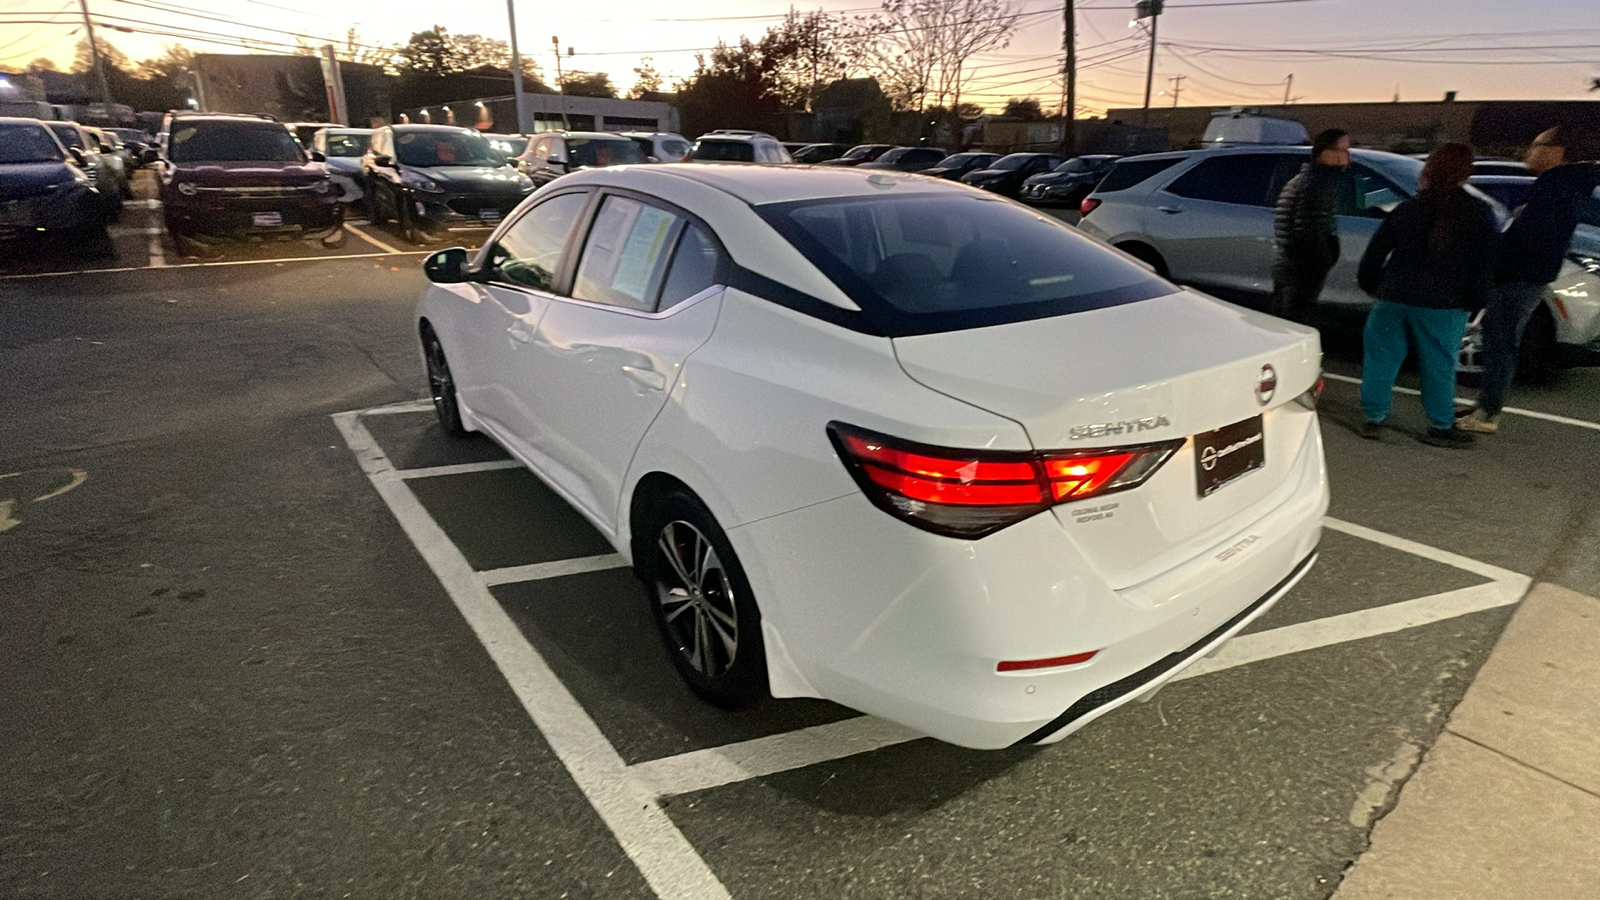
<point x="350" y="227"/>
<point x="158" y="252"/>
<point x="541" y="571"/>
<point x="1462" y="401"/>
<point x="731" y="763"/>
<point x="458" y="469"/>
<point x="404" y="406"/>
<point x="1454" y="560"/>
<point x="131" y="231"/>
<point x="201" y="265"/>
<point x="666" y="859"/>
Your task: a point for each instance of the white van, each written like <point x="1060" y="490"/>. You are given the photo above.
<point x="1236" y="126"/>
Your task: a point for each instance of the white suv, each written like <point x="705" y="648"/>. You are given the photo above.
<point x="665" y="146"/>
<point x="737" y="145"/>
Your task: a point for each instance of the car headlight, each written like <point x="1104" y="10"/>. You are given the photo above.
<point x="1588" y="263"/>
<point x="421" y="183"/>
<point x="186" y="188"/>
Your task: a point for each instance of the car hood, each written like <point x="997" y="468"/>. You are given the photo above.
<point x="19" y="181"/>
<point x="344" y="165"/>
<point x="240" y="173"/>
<point x="471" y="178"/>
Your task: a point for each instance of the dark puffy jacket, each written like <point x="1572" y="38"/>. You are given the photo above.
<point x="1304" y="230"/>
<point x="1436" y="250"/>
<point x="1538" y="237"/>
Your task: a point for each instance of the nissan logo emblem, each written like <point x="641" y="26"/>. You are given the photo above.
<point x="1266" y="385"/>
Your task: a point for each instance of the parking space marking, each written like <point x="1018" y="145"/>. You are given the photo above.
<point x="350" y="227"/>
<point x="459" y="468"/>
<point x="556" y="569"/>
<point x="404" y="406"/>
<point x="1455" y="560"/>
<point x="666" y="859"/>
<point x="1462" y="401"/>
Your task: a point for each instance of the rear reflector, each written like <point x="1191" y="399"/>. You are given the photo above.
<point x="971" y="493"/>
<point x="1021" y="665"/>
<point x="1088" y="205"/>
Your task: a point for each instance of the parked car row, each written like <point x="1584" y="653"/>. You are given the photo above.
<point x="62" y="191"/>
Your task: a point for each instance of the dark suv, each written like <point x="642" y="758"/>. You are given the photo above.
<point x="243" y="177"/>
<point x="431" y="178"/>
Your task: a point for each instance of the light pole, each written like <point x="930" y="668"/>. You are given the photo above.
<point x="94" y="51"/>
<point x="561" y="86"/>
<point x="516" y="70"/>
<point x="1149" y="9"/>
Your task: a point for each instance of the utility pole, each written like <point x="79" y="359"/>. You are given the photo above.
<point x="1069" y="43"/>
<point x="560" y="84"/>
<point x="1288" y="83"/>
<point x="1177" y="88"/>
<point x="1149" y="9"/>
<point x="516" y="70"/>
<point x="94" y="51"/>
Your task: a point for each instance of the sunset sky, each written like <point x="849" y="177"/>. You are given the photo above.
<point x="1236" y="52"/>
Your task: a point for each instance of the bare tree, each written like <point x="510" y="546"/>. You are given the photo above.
<point x="920" y="49"/>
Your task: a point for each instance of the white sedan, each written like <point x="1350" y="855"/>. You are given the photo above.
<point x="888" y="440"/>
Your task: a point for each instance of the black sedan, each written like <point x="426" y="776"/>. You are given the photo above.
<point x="907" y="159"/>
<point x="1069" y="182"/>
<point x="812" y="154"/>
<point x="956" y="165"/>
<point x="1005" y="177"/>
<point x="860" y="153"/>
<point x="437" y="178"/>
<point x="45" y="190"/>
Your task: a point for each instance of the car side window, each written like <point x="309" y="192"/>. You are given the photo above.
<point x="1241" y="179"/>
<point x="1373" y="195"/>
<point x="694" y="267"/>
<point x="625" y="255"/>
<point x="529" y="252"/>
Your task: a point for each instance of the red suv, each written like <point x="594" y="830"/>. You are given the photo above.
<point x="241" y="176"/>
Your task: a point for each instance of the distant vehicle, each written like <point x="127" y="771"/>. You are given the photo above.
<point x="104" y="173"/>
<point x="555" y="153"/>
<point x="1006" y="175"/>
<point x="137" y="141"/>
<point x="1205" y="217"/>
<point x="116" y="155"/>
<point x="1068" y="183"/>
<point x="304" y="131"/>
<point x="958" y="164"/>
<point x="811" y="154"/>
<point x="45" y="189"/>
<point x="860" y="153"/>
<point x="908" y="159"/>
<point x="433" y="178"/>
<point x="244" y="177"/>
<point x="510" y="146"/>
<point x="1242" y="126"/>
<point x="1487" y="166"/>
<point x="795" y="146"/>
<point x="665" y="146"/>
<point x="342" y="149"/>
<point x="734" y="145"/>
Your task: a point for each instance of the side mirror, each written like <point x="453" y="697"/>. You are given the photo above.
<point x="383" y="162"/>
<point x="318" y="156"/>
<point x="148" y="156"/>
<point x="77" y="157"/>
<point x="448" y="266"/>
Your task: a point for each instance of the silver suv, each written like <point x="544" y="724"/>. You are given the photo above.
<point x="1204" y="217"/>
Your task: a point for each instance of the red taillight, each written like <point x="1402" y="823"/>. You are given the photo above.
<point x="971" y="493"/>
<point x="1088" y="205"/>
<point x="1022" y="665"/>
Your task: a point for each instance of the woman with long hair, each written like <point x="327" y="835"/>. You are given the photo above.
<point x="1429" y="264"/>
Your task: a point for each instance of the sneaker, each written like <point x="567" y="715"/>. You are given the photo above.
<point x="1479" y="422"/>
<point x="1447" y="437"/>
<point x="1371" y="431"/>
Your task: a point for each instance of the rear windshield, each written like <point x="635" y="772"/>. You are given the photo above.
<point x="24" y="142"/>
<point x="1125" y="175"/>
<point x="232" y="142"/>
<point x="346" y="144"/>
<point x="927" y="263"/>
<point x="603" y="152"/>
<point x="69" y="136"/>
<point x="425" y="149"/>
<point x="725" y="151"/>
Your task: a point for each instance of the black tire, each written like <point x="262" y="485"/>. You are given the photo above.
<point x="441" y="386"/>
<point x="703" y="606"/>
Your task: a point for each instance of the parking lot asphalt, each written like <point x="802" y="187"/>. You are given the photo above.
<point x="241" y="662"/>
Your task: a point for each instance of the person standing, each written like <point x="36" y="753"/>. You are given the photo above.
<point x="1430" y="261"/>
<point x="1305" y="233"/>
<point x="1530" y="258"/>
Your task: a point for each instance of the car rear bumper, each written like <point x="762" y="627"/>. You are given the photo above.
<point x="909" y="626"/>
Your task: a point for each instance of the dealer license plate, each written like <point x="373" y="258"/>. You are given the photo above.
<point x="1228" y="453"/>
<point x="489" y="215"/>
<point x="267" y="219"/>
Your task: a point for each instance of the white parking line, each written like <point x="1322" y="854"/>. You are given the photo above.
<point x="666" y="859"/>
<point x="404" y="406"/>
<point x="1462" y="401"/>
<point x="541" y="571"/>
<point x="458" y="469"/>
<point x="350" y="227"/>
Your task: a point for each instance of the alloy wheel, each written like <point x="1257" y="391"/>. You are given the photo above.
<point x="697" y="600"/>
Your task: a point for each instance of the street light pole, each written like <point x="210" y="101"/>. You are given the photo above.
<point x="516" y="70"/>
<point x="561" y="84"/>
<point x="94" y="51"/>
<point x="1150" y="9"/>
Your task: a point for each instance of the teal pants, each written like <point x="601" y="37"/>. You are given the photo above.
<point x="1436" y="335"/>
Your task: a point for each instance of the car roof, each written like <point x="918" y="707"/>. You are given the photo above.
<point x="586" y="135"/>
<point x="341" y="129"/>
<point x="735" y="137"/>
<point x="757" y="185"/>
<point x="420" y="127"/>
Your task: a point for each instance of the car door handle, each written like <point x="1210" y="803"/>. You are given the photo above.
<point x="1170" y="210"/>
<point x="519" y="333"/>
<point x="650" y="378"/>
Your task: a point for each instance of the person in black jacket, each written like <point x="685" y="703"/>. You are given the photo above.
<point x="1431" y="261"/>
<point x="1530" y="258"/>
<point x="1305" y="233"/>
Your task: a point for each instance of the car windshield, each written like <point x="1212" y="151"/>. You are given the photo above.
<point x="934" y="262"/>
<point x="347" y="144"/>
<point x="859" y="152"/>
<point x="602" y="152"/>
<point x="1014" y="161"/>
<point x="894" y="155"/>
<point x="425" y="149"/>
<point x="232" y="142"/>
<point x="68" y="135"/>
<point x="23" y="142"/>
<point x="725" y="151"/>
<point x="1071" y="166"/>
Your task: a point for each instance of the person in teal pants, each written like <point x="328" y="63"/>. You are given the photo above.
<point x="1429" y="263"/>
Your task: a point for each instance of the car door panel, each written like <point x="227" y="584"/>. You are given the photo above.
<point x="1213" y="223"/>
